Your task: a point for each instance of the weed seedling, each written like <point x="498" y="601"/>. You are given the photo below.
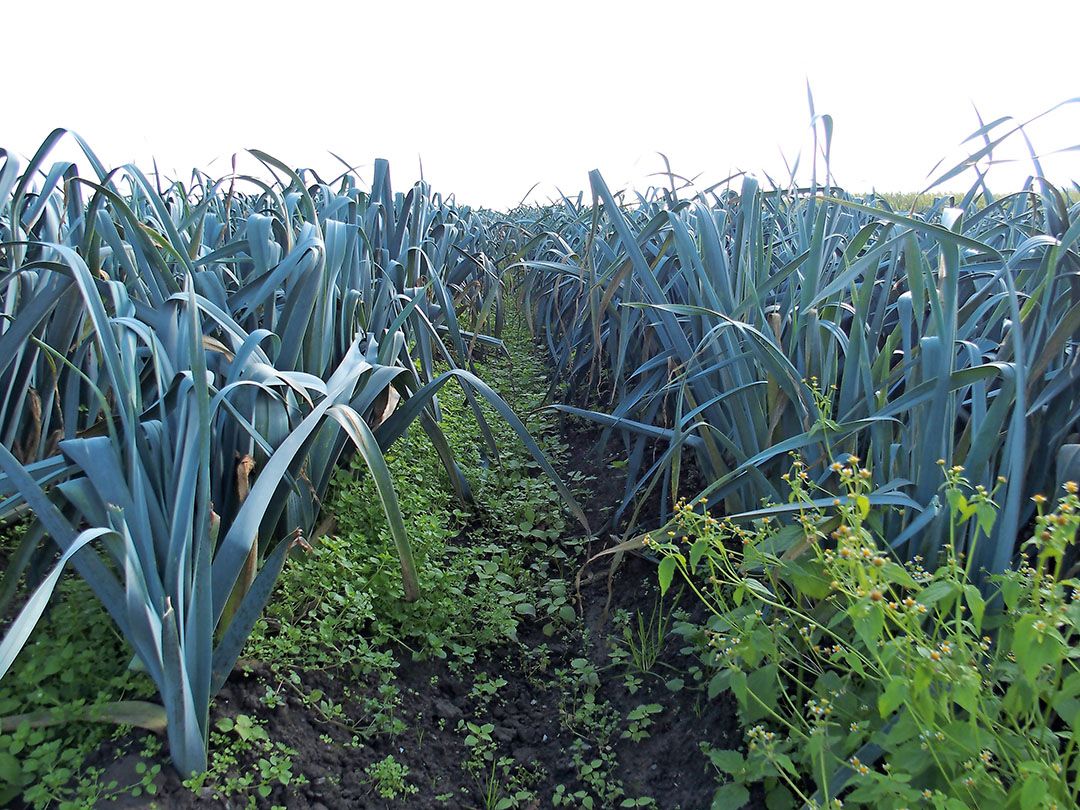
<point x="388" y="778"/>
<point x="639" y="720"/>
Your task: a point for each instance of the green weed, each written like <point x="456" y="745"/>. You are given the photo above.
<point x="884" y="684"/>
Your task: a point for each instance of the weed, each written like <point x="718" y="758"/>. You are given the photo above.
<point x="245" y="763"/>
<point x="639" y="719"/>
<point x="74" y="661"/>
<point x="888" y="684"/>
<point x="643" y="639"/>
<point x="485" y="688"/>
<point x="388" y="778"/>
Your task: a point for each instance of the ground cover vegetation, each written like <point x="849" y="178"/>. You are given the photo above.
<point x="287" y="522"/>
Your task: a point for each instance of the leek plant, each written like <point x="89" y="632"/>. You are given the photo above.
<point x="716" y="329"/>
<point x="183" y="368"/>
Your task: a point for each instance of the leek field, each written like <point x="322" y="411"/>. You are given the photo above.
<point x="318" y="491"/>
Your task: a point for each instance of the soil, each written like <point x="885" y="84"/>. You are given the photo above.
<point x="667" y="765"/>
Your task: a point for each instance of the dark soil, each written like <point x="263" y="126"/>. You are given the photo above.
<point x="667" y="765"/>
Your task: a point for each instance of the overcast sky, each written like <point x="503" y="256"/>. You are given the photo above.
<point x="494" y="97"/>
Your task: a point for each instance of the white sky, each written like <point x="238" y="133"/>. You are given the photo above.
<point x="495" y="97"/>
